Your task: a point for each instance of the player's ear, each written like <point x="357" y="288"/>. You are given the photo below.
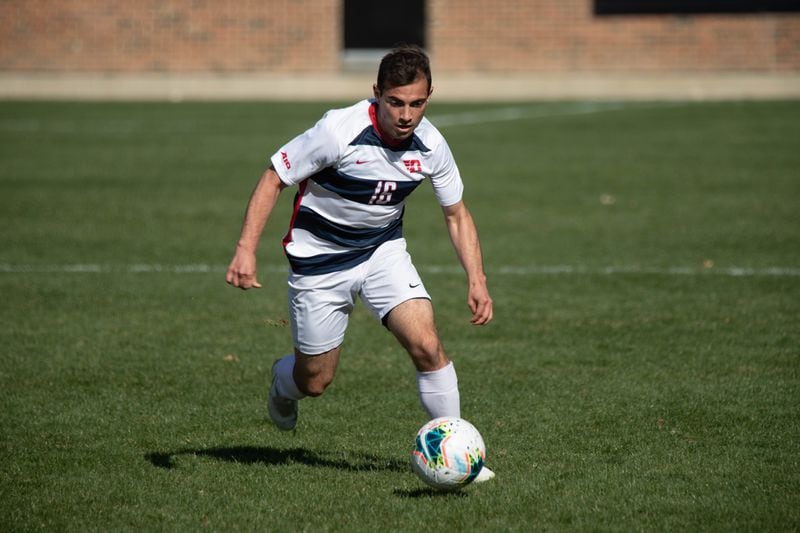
<point x="375" y="91"/>
<point x="430" y="92"/>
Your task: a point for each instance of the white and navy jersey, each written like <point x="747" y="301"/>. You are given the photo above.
<point x="353" y="186"/>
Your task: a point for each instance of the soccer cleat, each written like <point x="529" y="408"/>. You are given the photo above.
<point x="282" y="411"/>
<point x="484" y="475"/>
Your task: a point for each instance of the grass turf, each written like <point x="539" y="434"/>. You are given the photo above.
<point x="641" y="374"/>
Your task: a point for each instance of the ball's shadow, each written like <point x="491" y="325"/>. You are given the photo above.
<point x="428" y="493"/>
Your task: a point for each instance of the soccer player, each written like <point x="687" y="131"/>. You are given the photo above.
<point x="354" y="170"/>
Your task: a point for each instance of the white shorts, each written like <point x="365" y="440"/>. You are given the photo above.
<point x="319" y="306"/>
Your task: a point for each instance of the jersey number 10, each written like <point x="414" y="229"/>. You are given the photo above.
<point x="383" y="192"/>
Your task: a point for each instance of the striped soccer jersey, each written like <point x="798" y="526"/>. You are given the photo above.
<point x="353" y="186"/>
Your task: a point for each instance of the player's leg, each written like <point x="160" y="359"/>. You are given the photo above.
<point x="394" y="292"/>
<point x="296" y="376"/>
<point x="413" y="325"/>
<point x="313" y="373"/>
<point x="319" y="308"/>
<point x="299" y="375"/>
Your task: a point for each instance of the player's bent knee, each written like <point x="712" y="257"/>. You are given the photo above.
<point x="313" y="388"/>
<point x="313" y="383"/>
<point x="426" y="350"/>
<point x="428" y="355"/>
<point x="313" y="373"/>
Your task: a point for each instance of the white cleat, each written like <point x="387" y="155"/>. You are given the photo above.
<point x="484" y="475"/>
<point x="282" y="411"/>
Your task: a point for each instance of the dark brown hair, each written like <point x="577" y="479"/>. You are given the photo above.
<point x="402" y="66"/>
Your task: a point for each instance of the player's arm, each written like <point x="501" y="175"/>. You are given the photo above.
<point x="242" y="270"/>
<point x="464" y="237"/>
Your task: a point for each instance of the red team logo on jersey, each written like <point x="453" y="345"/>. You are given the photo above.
<point x="413" y="165"/>
<point x="286" y="162"/>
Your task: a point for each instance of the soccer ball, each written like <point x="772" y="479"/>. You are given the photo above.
<point x="448" y="453"/>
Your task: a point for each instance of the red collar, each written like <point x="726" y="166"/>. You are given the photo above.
<point x="373" y="110"/>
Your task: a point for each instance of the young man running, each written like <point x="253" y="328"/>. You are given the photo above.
<point x="354" y="170"/>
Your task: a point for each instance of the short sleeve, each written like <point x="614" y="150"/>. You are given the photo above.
<point x="445" y="178"/>
<point x="307" y="154"/>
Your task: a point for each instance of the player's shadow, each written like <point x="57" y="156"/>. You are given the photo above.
<point x="264" y="455"/>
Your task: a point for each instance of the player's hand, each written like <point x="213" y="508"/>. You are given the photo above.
<point x="242" y="271"/>
<point x="480" y="303"/>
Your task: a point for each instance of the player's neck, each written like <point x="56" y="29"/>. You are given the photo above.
<point x="373" y="116"/>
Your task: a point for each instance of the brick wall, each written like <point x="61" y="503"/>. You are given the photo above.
<point x="306" y="35"/>
<point x="559" y="35"/>
<point x="170" y="35"/>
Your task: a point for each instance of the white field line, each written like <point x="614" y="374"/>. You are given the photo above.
<point x="533" y="270"/>
<point x="507" y="114"/>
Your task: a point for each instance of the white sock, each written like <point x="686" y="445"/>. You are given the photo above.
<point x="438" y="392"/>
<point x="284" y="383"/>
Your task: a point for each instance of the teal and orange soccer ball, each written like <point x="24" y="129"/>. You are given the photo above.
<point x="448" y="453"/>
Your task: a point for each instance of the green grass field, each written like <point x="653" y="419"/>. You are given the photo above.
<point x="642" y="371"/>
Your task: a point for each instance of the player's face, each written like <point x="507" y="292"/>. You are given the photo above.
<point x="400" y="109"/>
